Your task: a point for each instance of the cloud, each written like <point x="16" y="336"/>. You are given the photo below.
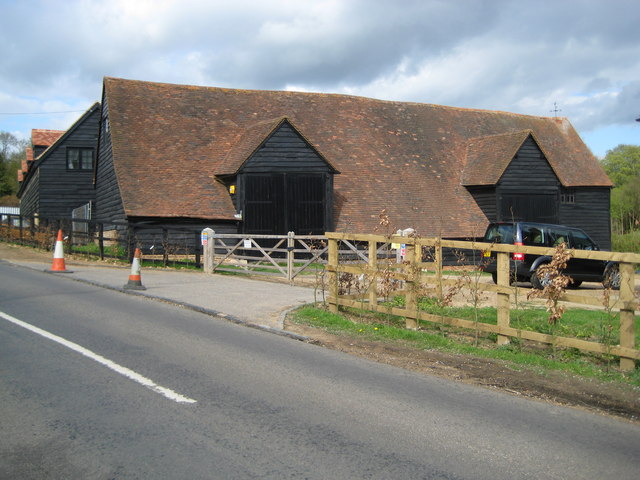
<point x="492" y="54"/>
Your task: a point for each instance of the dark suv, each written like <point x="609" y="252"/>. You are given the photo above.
<point x="524" y="267"/>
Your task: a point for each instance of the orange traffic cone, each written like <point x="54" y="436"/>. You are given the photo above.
<point x="58" y="256"/>
<point x="135" y="280"/>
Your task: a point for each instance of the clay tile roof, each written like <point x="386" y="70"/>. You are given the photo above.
<point x="29" y="153"/>
<point x="170" y="141"/>
<point x="44" y="138"/>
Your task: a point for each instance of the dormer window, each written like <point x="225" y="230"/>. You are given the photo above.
<point x="79" y="158"/>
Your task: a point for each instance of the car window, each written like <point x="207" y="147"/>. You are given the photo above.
<point x="499" y="234"/>
<point x="581" y="241"/>
<point x="558" y="236"/>
<point x="532" y="235"/>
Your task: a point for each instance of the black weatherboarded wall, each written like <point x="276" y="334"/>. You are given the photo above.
<point x="529" y="188"/>
<point x="51" y="189"/>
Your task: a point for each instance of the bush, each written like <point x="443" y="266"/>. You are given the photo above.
<point x="629" y="242"/>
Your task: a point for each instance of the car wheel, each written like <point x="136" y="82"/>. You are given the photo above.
<point x="611" y="277"/>
<point x="574" y="284"/>
<point x="539" y="281"/>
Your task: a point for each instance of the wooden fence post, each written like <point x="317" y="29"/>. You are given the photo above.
<point x="198" y="248"/>
<point x="208" y="250"/>
<point x="291" y="243"/>
<point x="165" y="247"/>
<point x="20" y="226"/>
<point x="333" y="275"/>
<point x="438" y="260"/>
<point x="101" y="240"/>
<point x="373" y="275"/>
<point x="503" y="303"/>
<point x="627" y="310"/>
<point x="411" y="298"/>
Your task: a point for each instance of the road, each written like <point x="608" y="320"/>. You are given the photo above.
<point x="225" y="401"/>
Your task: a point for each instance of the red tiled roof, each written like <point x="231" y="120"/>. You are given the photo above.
<point x="44" y="138"/>
<point x="169" y="141"/>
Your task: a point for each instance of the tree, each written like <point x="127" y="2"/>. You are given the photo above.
<point x="622" y="164"/>
<point x="12" y="151"/>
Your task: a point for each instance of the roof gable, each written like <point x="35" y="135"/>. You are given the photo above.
<point x="489" y="157"/>
<point x="252" y="139"/>
<point x="31" y="168"/>
<point x="67" y="133"/>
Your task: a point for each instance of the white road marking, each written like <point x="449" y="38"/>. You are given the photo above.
<point x="130" y="374"/>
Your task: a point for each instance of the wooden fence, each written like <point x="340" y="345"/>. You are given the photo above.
<point x="162" y="245"/>
<point x="421" y="273"/>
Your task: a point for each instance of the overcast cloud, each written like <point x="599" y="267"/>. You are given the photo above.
<point x="512" y="55"/>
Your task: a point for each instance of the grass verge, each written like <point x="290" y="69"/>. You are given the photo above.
<point x="518" y="354"/>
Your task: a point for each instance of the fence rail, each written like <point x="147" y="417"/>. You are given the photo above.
<point x="421" y="272"/>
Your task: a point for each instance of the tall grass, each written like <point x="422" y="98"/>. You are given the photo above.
<point x="629" y="242"/>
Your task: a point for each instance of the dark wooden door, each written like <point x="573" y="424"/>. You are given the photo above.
<point x="529" y="208"/>
<point x="263" y="204"/>
<point x="277" y="203"/>
<point x="305" y="204"/>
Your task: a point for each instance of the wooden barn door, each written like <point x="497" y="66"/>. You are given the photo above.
<point x="277" y="203"/>
<point x="264" y="204"/>
<point x="529" y="208"/>
<point x="306" y="204"/>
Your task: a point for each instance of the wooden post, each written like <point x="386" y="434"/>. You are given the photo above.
<point x="208" y="243"/>
<point x="165" y="245"/>
<point x="627" y="300"/>
<point x="198" y="248"/>
<point x="373" y="277"/>
<point x="438" y="260"/>
<point x="503" y="303"/>
<point x="20" y="227"/>
<point x="101" y="240"/>
<point x="291" y="242"/>
<point x="333" y="275"/>
<point x="411" y="300"/>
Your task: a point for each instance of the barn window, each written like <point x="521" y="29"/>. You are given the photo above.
<point x="568" y="196"/>
<point x="79" y="158"/>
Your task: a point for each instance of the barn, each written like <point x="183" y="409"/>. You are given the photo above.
<point x="57" y="176"/>
<point x="269" y="162"/>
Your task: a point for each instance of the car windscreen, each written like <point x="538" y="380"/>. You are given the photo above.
<point x="499" y="233"/>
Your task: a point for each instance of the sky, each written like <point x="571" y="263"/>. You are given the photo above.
<point x="578" y="59"/>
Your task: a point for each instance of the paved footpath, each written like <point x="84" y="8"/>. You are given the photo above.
<point x="256" y="302"/>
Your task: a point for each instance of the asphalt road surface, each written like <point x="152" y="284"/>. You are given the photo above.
<point x="95" y="384"/>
